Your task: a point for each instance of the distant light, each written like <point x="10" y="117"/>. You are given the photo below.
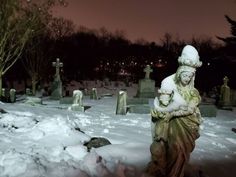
<point x="208" y="64"/>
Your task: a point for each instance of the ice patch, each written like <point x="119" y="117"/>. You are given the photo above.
<point x="231" y="140"/>
<point x="210" y="134"/>
<point x="219" y="145"/>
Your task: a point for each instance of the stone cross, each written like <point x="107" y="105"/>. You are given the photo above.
<point x="147" y="71"/>
<point x="57" y="65"/>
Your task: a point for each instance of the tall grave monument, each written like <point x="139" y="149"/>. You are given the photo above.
<point x="57" y="84"/>
<point x="225" y="102"/>
<point x="146" y="90"/>
<point x="146" y="86"/>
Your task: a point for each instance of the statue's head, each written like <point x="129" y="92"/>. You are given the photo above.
<point x="188" y="62"/>
<point x="165" y="96"/>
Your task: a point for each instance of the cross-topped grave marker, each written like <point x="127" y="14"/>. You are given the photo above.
<point x="147" y="71"/>
<point x="57" y="65"/>
<point x="57" y="84"/>
<point x="225" y="102"/>
<point x="146" y="86"/>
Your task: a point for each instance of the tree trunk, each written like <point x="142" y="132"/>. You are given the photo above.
<point x="0" y="85"/>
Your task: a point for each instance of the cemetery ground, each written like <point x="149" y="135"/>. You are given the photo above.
<point x="47" y="139"/>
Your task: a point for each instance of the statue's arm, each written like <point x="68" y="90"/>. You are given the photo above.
<point x="188" y="110"/>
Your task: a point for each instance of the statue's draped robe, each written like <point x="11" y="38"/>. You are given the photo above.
<point x="183" y="130"/>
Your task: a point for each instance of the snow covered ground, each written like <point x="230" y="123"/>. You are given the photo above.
<point x="43" y="141"/>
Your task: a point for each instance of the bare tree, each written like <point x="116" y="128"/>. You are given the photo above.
<point x="60" y="27"/>
<point x="37" y="53"/>
<point x="15" y="30"/>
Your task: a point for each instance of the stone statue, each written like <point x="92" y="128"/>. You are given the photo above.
<point x="177" y="120"/>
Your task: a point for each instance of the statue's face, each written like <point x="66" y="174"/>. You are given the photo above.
<point x="165" y="99"/>
<point x="185" y="77"/>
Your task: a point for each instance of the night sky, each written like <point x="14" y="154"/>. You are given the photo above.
<point x="151" y="19"/>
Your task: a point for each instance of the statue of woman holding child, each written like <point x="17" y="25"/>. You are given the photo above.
<point x="177" y="118"/>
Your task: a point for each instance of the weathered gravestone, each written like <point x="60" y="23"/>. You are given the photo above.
<point x="28" y="92"/>
<point x="146" y="86"/>
<point x="57" y="84"/>
<point x="138" y="105"/>
<point x="225" y="101"/>
<point x="146" y="91"/>
<point x="94" y="94"/>
<point x="5" y="95"/>
<point x="121" y="106"/>
<point x="12" y="94"/>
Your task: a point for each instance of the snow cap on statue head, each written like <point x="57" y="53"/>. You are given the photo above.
<point x="189" y="59"/>
<point x="188" y="62"/>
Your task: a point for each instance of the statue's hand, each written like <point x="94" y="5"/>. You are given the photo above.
<point x="167" y="117"/>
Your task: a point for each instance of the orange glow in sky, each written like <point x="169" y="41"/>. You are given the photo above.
<point x="151" y="19"/>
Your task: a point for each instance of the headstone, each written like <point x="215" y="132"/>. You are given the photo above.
<point x="5" y="95"/>
<point x="94" y="94"/>
<point x="28" y="92"/>
<point x="121" y="106"/>
<point x="146" y="86"/>
<point x="106" y="82"/>
<point x="12" y="95"/>
<point x="57" y="84"/>
<point x="77" y="101"/>
<point x="86" y="93"/>
<point x="225" y="102"/>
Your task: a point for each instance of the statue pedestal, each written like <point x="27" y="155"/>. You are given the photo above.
<point x="146" y="88"/>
